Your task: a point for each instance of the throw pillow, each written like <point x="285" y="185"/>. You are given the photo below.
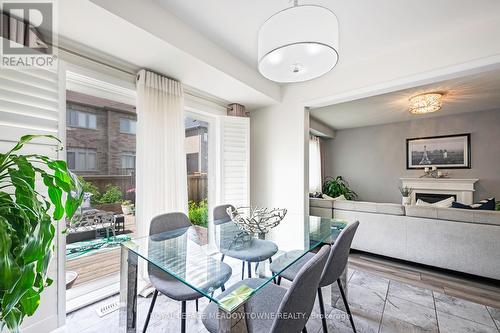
<point x="486" y="204"/>
<point x="445" y="203"/>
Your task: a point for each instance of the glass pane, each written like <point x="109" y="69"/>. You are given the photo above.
<point x="181" y="253"/>
<point x="91" y="161"/>
<point x="123" y="125"/>
<point x="92" y="121"/>
<point x="132" y="127"/>
<point x="82" y="119"/>
<point x="71" y="160"/>
<point x="73" y="118"/>
<point x="80" y="161"/>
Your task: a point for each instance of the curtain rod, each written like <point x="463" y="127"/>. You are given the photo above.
<point x="187" y="90"/>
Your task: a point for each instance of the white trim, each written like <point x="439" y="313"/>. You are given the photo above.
<point x="92" y="292"/>
<point x="61" y="225"/>
<point x="79" y="80"/>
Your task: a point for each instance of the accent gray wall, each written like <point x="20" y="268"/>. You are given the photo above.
<point x="373" y="158"/>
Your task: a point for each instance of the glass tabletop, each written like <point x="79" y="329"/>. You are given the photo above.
<point x="186" y="257"/>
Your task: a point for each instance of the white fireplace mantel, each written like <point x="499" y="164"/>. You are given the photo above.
<point x="462" y="188"/>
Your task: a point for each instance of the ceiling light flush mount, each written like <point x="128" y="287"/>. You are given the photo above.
<point x="298" y="44"/>
<point x="426" y="103"/>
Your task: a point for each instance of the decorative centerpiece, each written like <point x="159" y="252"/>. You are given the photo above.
<point x="433" y="172"/>
<point x="256" y="221"/>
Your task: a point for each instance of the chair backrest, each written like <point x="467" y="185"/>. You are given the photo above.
<point x="168" y="222"/>
<point x="220" y="214"/>
<point x="298" y="302"/>
<point x="339" y="253"/>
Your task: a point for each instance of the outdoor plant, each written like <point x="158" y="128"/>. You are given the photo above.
<point x="198" y="212"/>
<point x="337" y="186"/>
<point x="405" y="191"/>
<point x="26" y="226"/>
<point x="497" y="205"/>
<point x="88" y="187"/>
<point x="113" y="194"/>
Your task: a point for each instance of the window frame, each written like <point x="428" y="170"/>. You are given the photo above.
<point x="129" y="127"/>
<point x="87" y="115"/>
<point x="85" y="151"/>
<point x="126" y="154"/>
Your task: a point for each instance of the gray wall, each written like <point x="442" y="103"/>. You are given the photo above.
<point x="373" y="158"/>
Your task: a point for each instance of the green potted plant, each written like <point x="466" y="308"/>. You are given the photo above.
<point x="406" y="193"/>
<point x="27" y="228"/>
<point x="337" y="186"/>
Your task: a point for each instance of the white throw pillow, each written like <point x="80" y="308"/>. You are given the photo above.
<point x="445" y="203"/>
<point x="340" y="197"/>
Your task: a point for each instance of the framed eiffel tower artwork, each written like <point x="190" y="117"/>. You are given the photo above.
<point x="444" y="152"/>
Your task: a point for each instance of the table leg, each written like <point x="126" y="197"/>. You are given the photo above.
<point x="335" y="292"/>
<point x="234" y="322"/>
<point x="128" y="291"/>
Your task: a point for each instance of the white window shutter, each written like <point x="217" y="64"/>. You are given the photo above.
<point x="234" y="161"/>
<point x="29" y="104"/>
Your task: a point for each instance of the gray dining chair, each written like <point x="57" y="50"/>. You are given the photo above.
<point x="337" y="261"/>
<point x="257" y="250"/>
<point x="166" y="226"/>
<point x="290" y="308"/>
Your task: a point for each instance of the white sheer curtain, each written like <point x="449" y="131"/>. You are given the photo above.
<point x="314" y="164"/>
<point x="161" y="179"/>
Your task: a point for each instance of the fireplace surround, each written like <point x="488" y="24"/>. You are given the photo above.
<point x="461" y="189"/>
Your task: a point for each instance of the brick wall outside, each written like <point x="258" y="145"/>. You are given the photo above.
<point x="109" y="143"/>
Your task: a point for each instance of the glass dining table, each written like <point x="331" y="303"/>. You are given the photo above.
<point x="183" y="255"/>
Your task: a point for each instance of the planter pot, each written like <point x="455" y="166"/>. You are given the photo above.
<point x="126" y="210"/>
<point x="406" y="201"/>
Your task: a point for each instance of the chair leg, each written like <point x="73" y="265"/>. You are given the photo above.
<point x="249" y="268"/>
<point x="346" y="305"/>
<point x="279" y="280"/>
<point x="150" y="311"/>
<point x="183" y="317"/>
<point x="243" y="270"/>
<point x="222" y="257"/>
<point x="270" y="262"/>
<point x="196" y="305"/>
<point x="322" y="309"/>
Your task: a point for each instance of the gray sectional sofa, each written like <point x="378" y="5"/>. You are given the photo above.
<point x="462" y="240"/>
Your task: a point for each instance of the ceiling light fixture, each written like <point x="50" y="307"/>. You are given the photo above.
<point x="298" y="44"/>
<point x="426" y="103"/>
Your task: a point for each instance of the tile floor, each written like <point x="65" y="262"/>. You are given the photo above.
<point x="378" y="304"/>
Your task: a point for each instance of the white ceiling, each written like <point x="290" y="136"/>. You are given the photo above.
<point x="134" y="34"/>
<point x="367" y="28"/>
<point x="471" y="93"/>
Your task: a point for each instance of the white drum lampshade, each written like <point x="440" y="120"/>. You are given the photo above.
<point x="298" y="44"/>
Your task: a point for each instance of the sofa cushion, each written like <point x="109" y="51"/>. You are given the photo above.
<point x="390" y="208"/>
<point x="370" y="207"/>
<point x="486" y="216"/>
<point x="318" y="202"/>
<point x="453" y="214"/>
<point x="344" y="205"/>
<point x="422" y="211"/>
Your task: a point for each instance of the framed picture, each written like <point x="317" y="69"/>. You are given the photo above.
<point x="445" y="152"/>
